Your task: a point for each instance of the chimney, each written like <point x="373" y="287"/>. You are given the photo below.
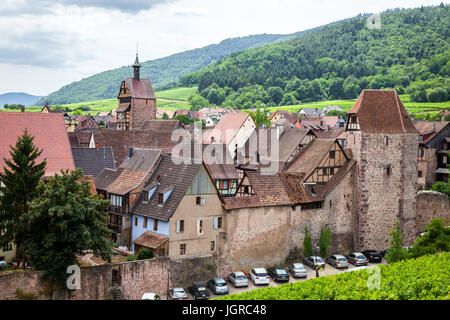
<point x="130" y="152"/>
<point x="321" y="123"/>
<point x="22" y="108"/>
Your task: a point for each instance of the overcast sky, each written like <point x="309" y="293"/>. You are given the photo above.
<point x="45" y="44"/>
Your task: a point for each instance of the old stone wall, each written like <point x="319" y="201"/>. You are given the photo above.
<point x="384" y="196"/>
<point x="142" y="110"/>
<point x="185" y="271"/>
<point x="431" y="204"/>
<point x="94" y="281"/>
<point x="264" y="236"/>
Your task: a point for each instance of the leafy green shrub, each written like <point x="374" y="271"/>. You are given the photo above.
<point x="424" y="278"/>
<point x="144" y="253"/>
<point x="436" y="239"/>
<point x="131" y="258"/>
<point x="396" y="251"/>
<point x="443" y="187"/>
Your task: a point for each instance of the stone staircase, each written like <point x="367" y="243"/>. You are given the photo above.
<point x="116" y="292"/>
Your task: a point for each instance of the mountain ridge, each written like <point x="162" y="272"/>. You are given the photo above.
<point x="18" y="98"/>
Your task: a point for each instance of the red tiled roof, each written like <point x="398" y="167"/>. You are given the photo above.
<point x="382" y="111"/>
<point x="429" y="129"/>
<point x="150" y="240"/>
<point x="140" y="89"/>
<point x="49" y="133"/>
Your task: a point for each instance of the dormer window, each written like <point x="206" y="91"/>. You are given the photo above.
<point x="161" y="198"/>
<point x="420" y="138"/>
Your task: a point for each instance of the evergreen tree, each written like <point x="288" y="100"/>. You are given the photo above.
<point x="64" y="219"/>
<point x="165" y="116"/>
<point x="307" y="244"/>
<point x="18" y="186"/>
<point x="324" y="241"/>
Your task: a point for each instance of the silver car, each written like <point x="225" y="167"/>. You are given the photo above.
<point x="218" y="286"/>
<point x="238" y="279"/>
<point x="337" y="261"/>
<point x="297" y="270"/>
<point x="314" y="261"/>
<point x="357" y="259"/>
<point x="177" y="294"/>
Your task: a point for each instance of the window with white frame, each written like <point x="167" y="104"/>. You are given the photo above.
<point x="116" y="200"/>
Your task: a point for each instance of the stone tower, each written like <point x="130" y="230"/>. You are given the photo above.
<point x="384" y="142"/>
<point x="137" y="101"/>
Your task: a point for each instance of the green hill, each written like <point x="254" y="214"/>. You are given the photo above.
<point x="162" y="72"/>
<point x="410" y="52"/>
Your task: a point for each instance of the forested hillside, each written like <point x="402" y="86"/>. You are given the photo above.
<point x="410" y="52"/>
<point x="162" y="72"/>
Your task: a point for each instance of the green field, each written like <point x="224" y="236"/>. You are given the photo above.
<point x="176" y="94"/>
<point x="179" y="98"/>
<point x="424" y="278"/>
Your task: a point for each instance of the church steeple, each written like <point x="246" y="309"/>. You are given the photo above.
<point x="136" y="67"/>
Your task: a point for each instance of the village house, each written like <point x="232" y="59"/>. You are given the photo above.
<point x="433" y="148"/>
<point x="137" y="101"/>
<point x="69" y="120"/>
<point x="310" y="113"/>
<point x="123" y="186"/>
<point x="331" y="108"/>
<point x="179" y="212"/>
<point x="53" y="141"/>
<point x="283" y="114"/>
<point x="233" y="130"/>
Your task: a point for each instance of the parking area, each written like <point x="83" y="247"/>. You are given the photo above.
<point x="311" y="274"/>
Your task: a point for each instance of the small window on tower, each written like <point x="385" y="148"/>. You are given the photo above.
<point x="388" y="170"/>
<point x="386" y="141"/>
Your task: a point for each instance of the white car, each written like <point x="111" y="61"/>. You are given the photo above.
<point x="150" y="296"/>
<point x="259" y="276"/>
<point x="238" y="279"/>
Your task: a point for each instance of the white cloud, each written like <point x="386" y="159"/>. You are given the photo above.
<point x="66" y="40"/>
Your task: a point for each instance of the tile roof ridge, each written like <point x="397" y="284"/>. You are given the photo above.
<point x="399" y="110"/>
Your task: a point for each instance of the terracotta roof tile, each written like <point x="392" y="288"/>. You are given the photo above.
<point x="93" y="160"/>
<point x="140" y="89"/>
<point x="150" y="240"/>
<point x="49" y="133"/>
<point x="226" y="128"/>
<point x="382" y="111"/>
<point x="429" y="129"/>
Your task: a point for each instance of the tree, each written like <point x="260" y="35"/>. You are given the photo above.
<point x="307" y="244"/>
<point x="198" y="102"/>
<point x="276" y="94"/>
<point x="435" y="239"/>
<point x="324" y="241"/>
<point x="396" y="251"/>
<point x="64" y="219"/>
<point x="165" y="116"/>
<point x="260" y="117"/>
<point x="184" y="119"/>
<point x="144" y="253"/>
<point x="443" y="187"/>
<point x="20" y="179"/>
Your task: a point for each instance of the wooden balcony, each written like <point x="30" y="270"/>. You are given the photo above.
<point x="118" y="210"/>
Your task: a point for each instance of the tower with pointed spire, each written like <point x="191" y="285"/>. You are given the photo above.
<point x="136" y="67"/>
<point x="137" y="101"/>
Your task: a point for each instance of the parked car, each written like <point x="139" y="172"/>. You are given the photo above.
<point x="357" y="259"/>
<point x="177" y="294"/>
<point x="314" y="261"/>
<point x="372" y="255"/>
<point x="297" y="270"/>
<point x="150" y="296"/>
<point x="198" y="291"/>
<point x="384" y="252"/>
<point x="338" y="261"/>
<point x="218" y="286"/>
<point x="278" y="274"/>
<point x="238" y="279"/>
<point x="259" y="276"/>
